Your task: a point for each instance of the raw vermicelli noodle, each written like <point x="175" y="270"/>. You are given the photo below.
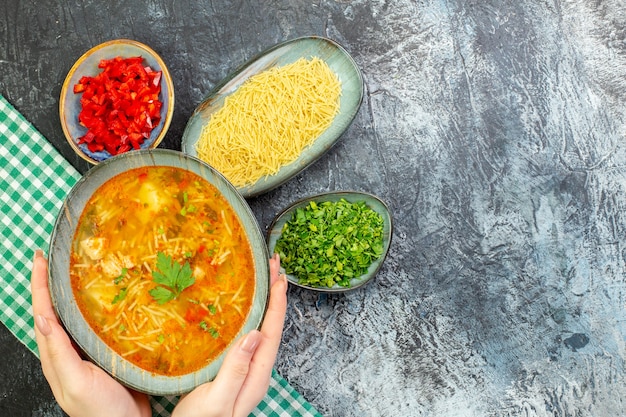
<point x="270" y="120"/>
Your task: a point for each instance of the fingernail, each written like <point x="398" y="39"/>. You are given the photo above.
<point x="38" y="253"/>
<point x="282" y="278"/>
<point x="251" y="342"/>
<point x="43" y="325"/>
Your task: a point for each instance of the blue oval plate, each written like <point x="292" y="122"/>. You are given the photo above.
<point x="370" y="200"/>
<point x="282" y="54"/>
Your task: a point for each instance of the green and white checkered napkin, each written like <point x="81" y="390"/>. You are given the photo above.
<point x="34" y="180"/>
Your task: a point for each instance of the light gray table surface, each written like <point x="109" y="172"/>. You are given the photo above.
<point x="494" y="130"/>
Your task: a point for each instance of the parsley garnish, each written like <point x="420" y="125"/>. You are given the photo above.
<point x="120" y="296"/>
<point x="171" y="277"/>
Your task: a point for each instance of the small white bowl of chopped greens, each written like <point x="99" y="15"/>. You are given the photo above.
<point x="332" y="242"/>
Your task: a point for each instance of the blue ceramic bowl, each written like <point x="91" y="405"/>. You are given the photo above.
<point x="87" y="65"/>
<point x="61" y="288"/>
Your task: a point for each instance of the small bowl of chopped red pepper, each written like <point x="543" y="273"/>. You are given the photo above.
<point x="117" y="97"/>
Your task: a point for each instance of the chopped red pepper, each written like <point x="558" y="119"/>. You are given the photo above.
<point x="194" y="314"/>
<point x="120" y="105"/>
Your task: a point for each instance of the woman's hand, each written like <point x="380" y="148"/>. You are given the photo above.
<point x="244" y="377"/>
<point x="80" y="387"/>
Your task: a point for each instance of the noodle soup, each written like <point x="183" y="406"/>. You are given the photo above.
<point x="161" y="269"/>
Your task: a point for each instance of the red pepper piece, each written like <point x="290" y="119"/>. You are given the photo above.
<point x="195" y="314"/>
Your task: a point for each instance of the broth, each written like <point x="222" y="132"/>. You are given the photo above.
<point x="161" y="269"/>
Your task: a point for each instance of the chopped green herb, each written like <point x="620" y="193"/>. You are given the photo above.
<point x="161" y="338"/>
<point x="329" y="243"/>
<point x="119" y="279"/>
<point x="120" y="296"/>
<point x="211" y="330"/>
<point x="212" y="309"/>
<point x="187" y="208"/>
<point x="171" y="277"/>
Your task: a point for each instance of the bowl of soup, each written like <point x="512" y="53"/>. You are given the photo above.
<point x="157" y="265"/>
<point x="276" y="114"/>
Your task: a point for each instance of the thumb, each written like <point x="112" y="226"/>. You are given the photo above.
<point x="236" y="365"/>
<point x="58" y="357"/>
<point x="224" y="390"/>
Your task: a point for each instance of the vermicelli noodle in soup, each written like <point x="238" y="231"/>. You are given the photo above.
<point x="161" y="269"/>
